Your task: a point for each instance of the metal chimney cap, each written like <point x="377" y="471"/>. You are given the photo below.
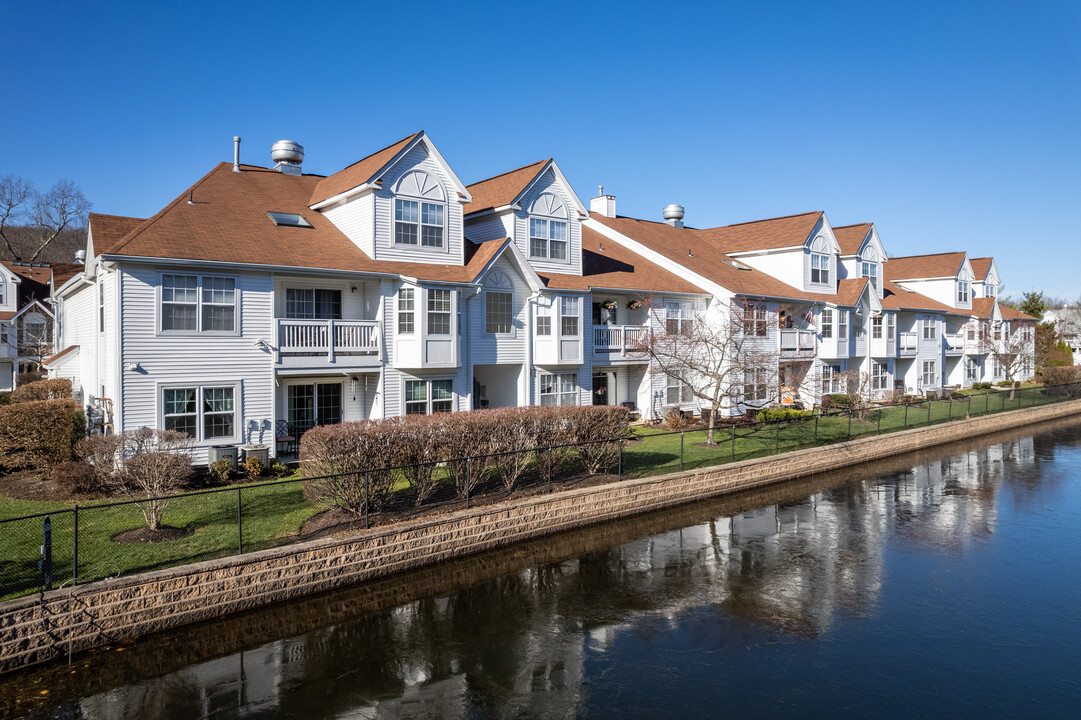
<point x="80" y="257"/>
<point x="287" y="151"/>
<point x="673" y="212"/>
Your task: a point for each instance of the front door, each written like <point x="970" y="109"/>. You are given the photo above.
<point x="600" y="389"/>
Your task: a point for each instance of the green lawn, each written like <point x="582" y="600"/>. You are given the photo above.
<point x="273" y="513"/>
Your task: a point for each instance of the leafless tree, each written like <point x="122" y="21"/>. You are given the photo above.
<point x="46" y="214"/>
<point x="729" y="356"/>
<point x="1012" y="346"/>
<point x="34" y="342"/>
<point x="861" y="392"/>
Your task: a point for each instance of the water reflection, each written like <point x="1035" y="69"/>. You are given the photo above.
<point x="525" y="632"/>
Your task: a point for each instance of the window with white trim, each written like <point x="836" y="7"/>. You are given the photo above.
<point x="880" y="376"/>
<point x="544" y="316"/>
<point x="677" y="317"/>
<point x="962" y="291"/>
<point x="558" y="389"/>
<point x="568" y="319"/>
<point x="857" y="325"/>
<point x="406" y="310"/>
<point x="755" y="321"/>
<point x="930" y="328"/>
<point x="427" y="397"/>
<point x="929" y="376"/>
<point x="832" y="379"/>
<point x="313" y="304"/>
<point x="755" y="386"/>
<point x="996" y="366"/>
<point x="439" y="309"/>
<point x="876" y="327"/>
<point x="101" y="306"/>
<point x="497" y="312"/>
<point x="972" y="369"/>
<point x="677" y="392"/>
<point x="891" y="326"/>
<point x="198" y="303"/>
<point x="842" y="324"/>
<point x="203" y="412"/>
<point x="827" y="323"/>
<point x="415" y="219"/>
<point x="820" y="268"/>
<point x="3" y="291"/>
<point x="869" y="270"/>
<point x="547" y="239"/>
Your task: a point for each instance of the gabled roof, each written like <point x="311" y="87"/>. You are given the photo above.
<point x="33" y="280"/>
<point x="851" y="237"/>
<point x="62" y="272"/>
<point x="1009" y="313"/>
<point x="63" y="353"/>
<point x="502" y="189"/>
<point x="980" y="267"/>
<point x="894" y="297"/>
<point x="913" y="267"/>
<point x="227" y="222"/>
<point x="360" y="172"/>
<point x="850" y="290"/>
<point x="108" y="230"/>
<point x="787" y="231"/>
<point x="607" y="264"/>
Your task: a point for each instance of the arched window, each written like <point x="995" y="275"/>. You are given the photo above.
<point x="421" y="214"/>
<point x="820" y="261"/>
<point x="548" y="229"/>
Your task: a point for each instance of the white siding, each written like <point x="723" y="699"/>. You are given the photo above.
<point x="550" y="183"/>
<point x="79" y="326"/>
<point x="490" y="227"/>
<point x="355" y="219"/>
<point x="197" y="359"/>
<point x="485" y="349"/>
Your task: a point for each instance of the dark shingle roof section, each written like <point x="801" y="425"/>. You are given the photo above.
<point x="502" y="189"/>
<point x="358" y="173"/>
<point x="912" y="267"/>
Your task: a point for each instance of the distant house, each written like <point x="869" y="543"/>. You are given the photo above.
<point x="1067" y="322"/>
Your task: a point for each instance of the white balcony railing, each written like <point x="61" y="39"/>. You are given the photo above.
<point x="955" y="342"/>
<point x="795" y="341"/>
<point x="907" y="343"/>
<point x="624" y="338"/>
<point x="328" y="337"/>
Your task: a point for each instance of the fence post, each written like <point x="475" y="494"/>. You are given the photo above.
<point x="879" y="422"/>
<point x="45" y="565"/>
<point x="468" y="479"/>
<point x="950" y="416"/>
<point x="849" y="424"/>
<point x="816" y="429"/>
<point x="549" y="469"/>
<point x="75" y="546"/>
<point x="681" y="450"/>
<point x="367" y="495"/>
<point x="239" y="526"/>
<point x="777" y="438"/>
<point x="929" y="404"/>
<point x="733" y="442"/>
<point x="906" y="416"/>
<point x="620" y="450"/>
<point x="987" y="402"/>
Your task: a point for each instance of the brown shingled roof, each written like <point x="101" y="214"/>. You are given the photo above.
<point x="502" y="189"/>
<point x="108" y="230"/>
<point x="358" y="173"/>
<point x="1010" y="313"/>
<point x="57" y="356"/>
<point x="850" y="237"/>
<point x="607" y="264"/>
<point x="897" y="298"/>
<point x="980" y="267"/>
<point x="62" y="272"/>
<point x="228" y="223"/>
<point x="912" y="267"/>
<point x="763" y="234"/>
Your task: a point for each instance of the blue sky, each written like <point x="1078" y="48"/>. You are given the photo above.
<point x="950" y="125"/>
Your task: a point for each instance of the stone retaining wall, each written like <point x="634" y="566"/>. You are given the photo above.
<point x="35" y="629"/>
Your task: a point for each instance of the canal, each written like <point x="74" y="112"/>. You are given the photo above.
<point x="943" y="583"/>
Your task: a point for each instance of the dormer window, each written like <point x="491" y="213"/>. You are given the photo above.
<point x="869" y="267"/>
<point x="820" y="269"/>
<point x="962" y="291"/>
<point x="548" y="235"/>
<point x="421" y="221"/>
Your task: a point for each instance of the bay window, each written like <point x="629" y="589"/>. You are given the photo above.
<point x="842" y="324"/>
<point x="439" y="308"/>
<point x="544" y="316"/>
<point x="827" y="323"/>
<point x="876" y="327"/>
<point x="568" y="321"/>
<point x="869" y="270"/>
<point x="962" y="291"/>
<point x="406" y="309"/>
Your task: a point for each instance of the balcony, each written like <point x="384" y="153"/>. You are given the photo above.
<point x="955" y="343"/>
<point x="907" y="343"/>
<point x="322" y="344"/>
<point x="621" y="340"/>
<point x="797" y="343"/>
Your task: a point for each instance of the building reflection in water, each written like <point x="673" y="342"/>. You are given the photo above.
<point x="518" y="643"/>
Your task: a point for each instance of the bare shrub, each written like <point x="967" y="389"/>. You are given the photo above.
<point x="341" y="460"/>
<point x="76" y="477"/>
<point x="153" y="464"/>
<point x="55" y="389"/>
<point x="675" y="420"/>
<point x="595" y="432"/>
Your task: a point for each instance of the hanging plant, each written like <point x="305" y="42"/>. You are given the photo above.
<point x="635" y="305"/>
<point x="609" y="305"/>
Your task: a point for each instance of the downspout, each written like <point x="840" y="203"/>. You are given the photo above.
<point x="531" y="301"/>
<point x="118" y="303"/>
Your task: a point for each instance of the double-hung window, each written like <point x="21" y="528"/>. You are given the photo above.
<point x="820" y="269"/>
<point x="870" y="270"/>
<point x="568" y="320"/>
<point x="879" y="375"/>
<point x="197" y="303"/>
<point x="876" y="327"/>
<point x="972" y="369"/>
<point x="439" y="308"/>
<point x="497" y="312"/>
<point x="962" y="291"/>
<point x="930" y="328"/>
<point x="544" y="317"/>
<point x="677" y="392"/>
<point x="547" y="239"/>
<point x="427" y="397"/>
<point x="827" y="323"/>
<point x="930" y="377"/>
<point x="558" y="389"/>
<point x="755" y="321"/>
<point x="842" y="324"/>
<point x="101" y="306"/>
<point x="406" y="310"/>
<point x="677" y="317"/>
<point x="857" y="325"/>
<point x="832" y="380"/>
<point x="203" y="412"/>
<point x="755" y="386"/>
<point x="415" y="220"/>
<point x="891" y="326"/>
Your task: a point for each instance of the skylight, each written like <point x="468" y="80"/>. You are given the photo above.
<point x="736" y="264"/>
<point x="289" y="219"/>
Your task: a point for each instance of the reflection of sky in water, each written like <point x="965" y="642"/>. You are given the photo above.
<point x="948" y="588"/>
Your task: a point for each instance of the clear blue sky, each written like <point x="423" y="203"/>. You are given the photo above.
<point x="951" y="125"/>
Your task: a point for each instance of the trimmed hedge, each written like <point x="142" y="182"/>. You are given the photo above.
<point x="38" y="434"/>
<point x="771" y="414"/>
<point x="1061" y="375"/>
<point x="429" y="448"/>
<point x="55" y="389"/>
<point x="981" y="386"/>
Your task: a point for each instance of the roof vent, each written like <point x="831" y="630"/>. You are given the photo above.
<point x="80" y="257"/>
<point x="288" y="155"/>
<point x="673" y="215"/>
